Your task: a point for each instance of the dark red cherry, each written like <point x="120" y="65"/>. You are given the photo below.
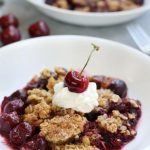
<point x="15" y="105"/>
<point x="8" y="20"/>
<point x="36" y="143"/>
<point x="8" y="122"/>
<point x="4" y="102"/>
<point x="139" y="2"/>
<point x="21" y="133"/>
<point x="39" y="28"/>
<point x="99" y="144"/>
<point x="75" y="82"/>
<point x="49" y="2"/>
<point x="19" y="94"/>
<point x="119" y="87"/>
<point x="10" y="35"/>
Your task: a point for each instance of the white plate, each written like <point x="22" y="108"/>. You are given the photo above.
<point x="88" y="18"/>
<point x="20" y="61"/>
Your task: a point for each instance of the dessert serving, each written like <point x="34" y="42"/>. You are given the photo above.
<point x="96" y="5"/>
<point x="68" y="110"/>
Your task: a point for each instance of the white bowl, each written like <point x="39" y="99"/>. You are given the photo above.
<point x="22" y="60"/>
<point x="88" y="18"/>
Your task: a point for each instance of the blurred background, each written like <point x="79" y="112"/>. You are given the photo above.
<point x="27" y="14"/>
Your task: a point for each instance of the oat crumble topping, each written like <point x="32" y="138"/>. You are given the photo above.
<point x="61" y="129"/>
<point x="75" y="147"/>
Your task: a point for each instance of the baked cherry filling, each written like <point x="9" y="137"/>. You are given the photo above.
<point x="29" y="121"/>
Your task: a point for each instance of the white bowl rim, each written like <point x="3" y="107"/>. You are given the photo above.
<point x="130" y="49"/>
<point x="100" y="14"/>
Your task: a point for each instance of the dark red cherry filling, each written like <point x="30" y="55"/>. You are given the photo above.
<point x="75" y="82"/>
<point x="21" y="133"/>
<point x="15" y="105"/>
<point x="119" y="87"/>
<point x="36" y="143"/>
<point x="8" y="121"/>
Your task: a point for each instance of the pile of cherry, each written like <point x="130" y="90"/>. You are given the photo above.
<point x="17" y="133"/>
<point x="10" y="32"/>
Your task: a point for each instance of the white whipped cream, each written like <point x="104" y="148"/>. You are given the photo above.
<point x="82" y="102"/>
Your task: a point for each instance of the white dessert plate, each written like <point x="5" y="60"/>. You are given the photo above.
<point x="88" y="18"/>
<point x="19" y="62"/>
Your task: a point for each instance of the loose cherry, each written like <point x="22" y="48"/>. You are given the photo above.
<point x="76" y="81"/>
<point x="8" y="20"/>
<point x="39" y="28"/>
<point x="10" y="34"/>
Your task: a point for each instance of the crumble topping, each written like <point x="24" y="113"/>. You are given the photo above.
<point x="75" y="147"/>
<point x="45" y="73"/>
<point x="110" y="124"/>
<point x="38" y="95"/>
<point x="60" y="129"/>
<point x="106" y="97"/>
<point x="35" y="114"/>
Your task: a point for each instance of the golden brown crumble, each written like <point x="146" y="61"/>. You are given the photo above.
<point x="38" y="95"/>
<point x="35" y="114"/>
<point x="111" y="124"/>
<point x="45" y="73"/>
<point x="52" y="81"/>
<point x="75" y="147"/>
<point x="60" y="129"/>
<point x="107" y="96"/>
<point x="134" y="103"/>
<point x="60" y="71"/>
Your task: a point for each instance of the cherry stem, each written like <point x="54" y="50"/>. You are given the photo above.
<point x="95" y="48"/>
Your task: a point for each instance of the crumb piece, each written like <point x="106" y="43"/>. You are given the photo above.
<point x="60" y="71"/>
<point x="111" y="124"/>
<point x="86" y="141"/>
<point x="45" y="73"/>
<point x="106" y="97"/>
<point x="134" y="103"/>
<point x="35" y="114"/>
<point x="37" y="95"/>
<point x="60" y="129"/>
<point x="116" y="113"/>
<point x="132" y="116"/>
<point x="113" y="5"/>
<point x="62" y="4"/>
<point x="75" y="147"/>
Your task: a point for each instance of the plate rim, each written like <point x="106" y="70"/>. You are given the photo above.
<point x="128" y="48"/>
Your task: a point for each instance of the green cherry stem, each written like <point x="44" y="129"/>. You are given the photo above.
<point x="95" y="48"/>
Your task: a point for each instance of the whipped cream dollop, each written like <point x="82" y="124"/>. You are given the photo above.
<point x="82" y="102"/>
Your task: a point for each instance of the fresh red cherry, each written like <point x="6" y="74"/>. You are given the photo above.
<point x="10" y="35"/>
<point x="76" y="83"/>
<point x="39" y="28"/>
<point x="8" y="20"/>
